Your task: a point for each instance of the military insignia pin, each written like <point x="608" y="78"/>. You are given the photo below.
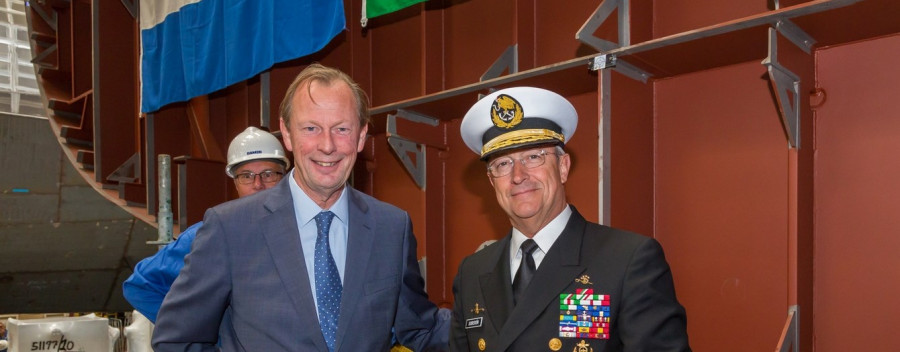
<point x="583" y="347"/>
<point x="584" y="280"/>
<point x="477" y="309"/>
<point x="506" y="112"/>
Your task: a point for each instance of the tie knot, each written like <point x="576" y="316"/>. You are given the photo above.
<point x="323" y="220"/>
<point x="529" y="246"/>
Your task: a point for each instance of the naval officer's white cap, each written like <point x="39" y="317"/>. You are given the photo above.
<point x="518" y="117"/>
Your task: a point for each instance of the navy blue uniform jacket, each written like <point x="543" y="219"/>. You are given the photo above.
<point x="630" y="268"/>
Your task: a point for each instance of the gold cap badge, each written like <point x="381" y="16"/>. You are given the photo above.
<point x="506" y="112"/>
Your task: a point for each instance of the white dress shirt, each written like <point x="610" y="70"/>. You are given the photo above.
<point x="544" y="238"/>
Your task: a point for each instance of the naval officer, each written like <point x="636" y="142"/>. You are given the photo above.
<point x="555" y="282"/>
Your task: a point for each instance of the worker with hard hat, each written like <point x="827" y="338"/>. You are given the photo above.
<point x="256" y="161"/>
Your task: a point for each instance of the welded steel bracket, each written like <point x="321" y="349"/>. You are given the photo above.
<point x="586" y="36"/>
<point x="786" y="85"/>
<point x="586" y="33"/>
<point x="604" y="61"/>
<point x="128" y="172"/>
<point x="51" y="18"/>
<point x="790" y="334"/>
<point x="404" y="147"/>
<point x="796" y="35"/>
<point x="632" y="71"/>
<point x="132" y="7"/>
<point x="508" y="61"/>
<point x="39" y="59"/>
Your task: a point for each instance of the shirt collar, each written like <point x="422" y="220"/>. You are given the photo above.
<point x="546" y="236"/>
<point x="307" y="209"/>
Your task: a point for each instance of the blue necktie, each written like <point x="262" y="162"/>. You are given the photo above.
<point x="328" y="281"/>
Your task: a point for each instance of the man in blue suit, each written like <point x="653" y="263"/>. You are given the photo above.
<point x="311" y="264"/>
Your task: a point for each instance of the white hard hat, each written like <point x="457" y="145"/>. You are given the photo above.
<point x="518" y="117"/>
<point x="254" y="144"/>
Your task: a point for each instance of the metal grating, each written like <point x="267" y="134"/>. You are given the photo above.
<point x="19" y="92"/>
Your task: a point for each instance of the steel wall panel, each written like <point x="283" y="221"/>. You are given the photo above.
<point x="26" y="167"/>
<point x="722" y="205"/>
<point x="582" y="187"/>
<point x="62" y="292"/>
<point x="86" y="245"/>
<point x="115" y="110"/>
<point x="82" y="78"/>
<point x="555" y="24"/>
<point x="397" y="48"/>
<point x="76" y="203"/>
<point x="631" y="159"/>
<point x="856" y="192"/>
<point x="676" y="16"/>
<point x="476" y="34"/>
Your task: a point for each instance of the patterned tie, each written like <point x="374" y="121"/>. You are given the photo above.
<point x="328" y="280"/>
<point x="526" y="269"/>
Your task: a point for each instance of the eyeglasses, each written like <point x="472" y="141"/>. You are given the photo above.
<point x="267" y="176"/>
<point x="503" y="165"/>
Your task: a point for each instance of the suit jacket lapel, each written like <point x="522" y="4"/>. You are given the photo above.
<point x="496" y="288"/>
<point x="282" y="237"/>
<point x="360" y="241"/>
<point x="557" y="271"/>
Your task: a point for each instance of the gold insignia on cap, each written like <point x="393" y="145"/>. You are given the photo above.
<point x="555" y="344"/>
<point x="506" y="112"/>
<point x="477" y="309"/>
<point x="482" y="345"/>
<point x="584" y="280"/>
<point x="583" y="347"/>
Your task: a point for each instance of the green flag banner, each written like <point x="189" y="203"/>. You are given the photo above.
<point x="375" y="8"/>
